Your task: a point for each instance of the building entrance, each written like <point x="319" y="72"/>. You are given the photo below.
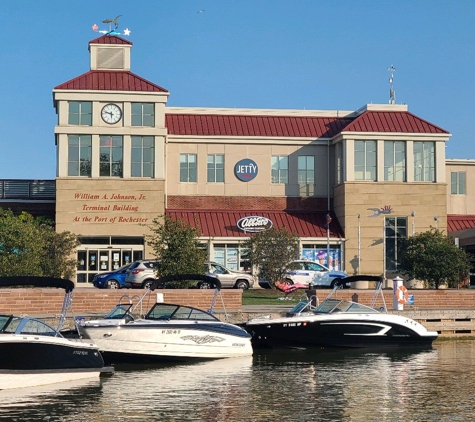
<point x="101" y="255"/>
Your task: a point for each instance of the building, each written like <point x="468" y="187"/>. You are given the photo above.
<point x="351" y="184"/>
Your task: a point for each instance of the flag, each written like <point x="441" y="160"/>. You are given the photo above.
<point x="329" y="220"/>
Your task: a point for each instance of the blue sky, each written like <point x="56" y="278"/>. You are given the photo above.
<point x="293" y="54"/>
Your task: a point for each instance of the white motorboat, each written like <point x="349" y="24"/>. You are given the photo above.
<point x="340" y="323"/>
<point x="167" y="332"/>
<point x="33" y="353"/>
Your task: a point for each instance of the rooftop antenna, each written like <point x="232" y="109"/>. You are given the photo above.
<point x="392" y="93"/>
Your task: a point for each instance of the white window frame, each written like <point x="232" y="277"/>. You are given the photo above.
<point x="280" y="169"/>
<point x="145" y="155"/>
<point x="215" y="167"/>
<point x="424" y="161"/>
<point x="395" y="161"/>
<point x="366" y="160"/>
<point x="458" y="183"/>
<point x="188" y="168"/>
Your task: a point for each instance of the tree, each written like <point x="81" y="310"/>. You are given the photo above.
<point x="59" y="253"/>
<point x="175" y="243"/>
<point x="433" y="258"/>
<point x="30" y="246"/>
<point x="271" y="251"/>
<point x="21" y="244"/>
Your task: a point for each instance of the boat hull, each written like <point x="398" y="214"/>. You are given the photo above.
<point x="27" y="361"/>
<point x="144" y="341"/>
<point x="347" y="331"/>
<point x="34" y="378"/>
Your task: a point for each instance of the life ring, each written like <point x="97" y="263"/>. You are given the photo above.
<point x="402" y="295"/>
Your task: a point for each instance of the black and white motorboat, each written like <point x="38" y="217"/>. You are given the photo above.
<point x="340" y="323"/>
<point x="168" y="332"/>
<point x="33" y="353"/>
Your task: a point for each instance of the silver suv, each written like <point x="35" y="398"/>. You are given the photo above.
<point x="141" y="273"/>
<point x="227" y="277"/>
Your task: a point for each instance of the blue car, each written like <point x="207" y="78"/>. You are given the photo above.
<point x="111" y="280"/>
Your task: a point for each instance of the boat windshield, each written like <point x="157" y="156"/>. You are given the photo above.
<point x="335" y="305"/>
<point x="163" y="311"/>
<point x="119" y="312"/>
<point x="18" y="325"/>
<point x="4" y="321"/>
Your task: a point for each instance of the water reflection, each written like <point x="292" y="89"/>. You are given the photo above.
<point x="321" y="385"/>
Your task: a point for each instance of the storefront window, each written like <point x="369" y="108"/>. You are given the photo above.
<point x="231" y="256"/>
<point x="319" y="253"/>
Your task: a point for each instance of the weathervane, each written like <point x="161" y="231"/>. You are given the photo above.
<point x="111" y="31"/>
<point x="392" y="93"/>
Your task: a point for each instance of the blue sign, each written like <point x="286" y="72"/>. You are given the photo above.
<point x="246" y="170"/>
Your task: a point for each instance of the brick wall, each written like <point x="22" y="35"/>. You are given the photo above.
<point x="423" y="299"/>
<point x="85" y="301"/>
<point x="197" y="202"/>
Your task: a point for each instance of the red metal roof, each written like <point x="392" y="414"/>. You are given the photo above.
<point x="110" y="80"/>
<point x="110" y="39"/>
<point x="222" y="223"/>
<point x="240" y="125"/>
<point x="391" y="121"/>
<point x="296" y="126"/>
<point x="460" y="222"/>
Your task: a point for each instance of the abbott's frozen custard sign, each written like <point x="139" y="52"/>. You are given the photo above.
<point x="246" y="170"/>
<point x="254" y="223"/>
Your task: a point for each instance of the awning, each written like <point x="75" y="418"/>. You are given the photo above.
<point x="223" y="223"/>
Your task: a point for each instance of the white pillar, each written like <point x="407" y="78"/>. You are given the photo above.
<point x="397" y="283"/>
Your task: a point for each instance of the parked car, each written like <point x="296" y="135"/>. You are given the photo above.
<point x="141" y="273"/>
<point x="112" y="279"/>
<point x="227" y="277"/>
<point x="309" y="272"/>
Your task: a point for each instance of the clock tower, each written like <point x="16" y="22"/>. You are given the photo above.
<point x="110" y="140"/>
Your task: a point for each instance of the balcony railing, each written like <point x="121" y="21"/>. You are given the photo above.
<point x="28" y="189"/>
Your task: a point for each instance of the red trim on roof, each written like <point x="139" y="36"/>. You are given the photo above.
<point x="110" y="39"/>
<point x="110" y="80"/>
<point x="392" y="121"/>
<point x="238" y="125"/>
<point x="222" y="223"/>
<point x="460" y="222"/>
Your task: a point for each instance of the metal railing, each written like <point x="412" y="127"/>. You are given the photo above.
<point x="28" y="189"/>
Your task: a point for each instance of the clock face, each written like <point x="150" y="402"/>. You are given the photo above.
<point x="111" y="113"/>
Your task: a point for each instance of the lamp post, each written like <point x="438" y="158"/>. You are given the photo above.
<point x="327" y="224"/>
<point x="413" y="215"/>
<point x="359" y="245"/>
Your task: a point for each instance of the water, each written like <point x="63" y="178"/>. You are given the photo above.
<point x="431" y="385"/>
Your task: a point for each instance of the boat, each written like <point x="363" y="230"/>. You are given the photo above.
<point x="340" y="323"/>
<point x="167" y="332"/>
<point x="33" y="353"/>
